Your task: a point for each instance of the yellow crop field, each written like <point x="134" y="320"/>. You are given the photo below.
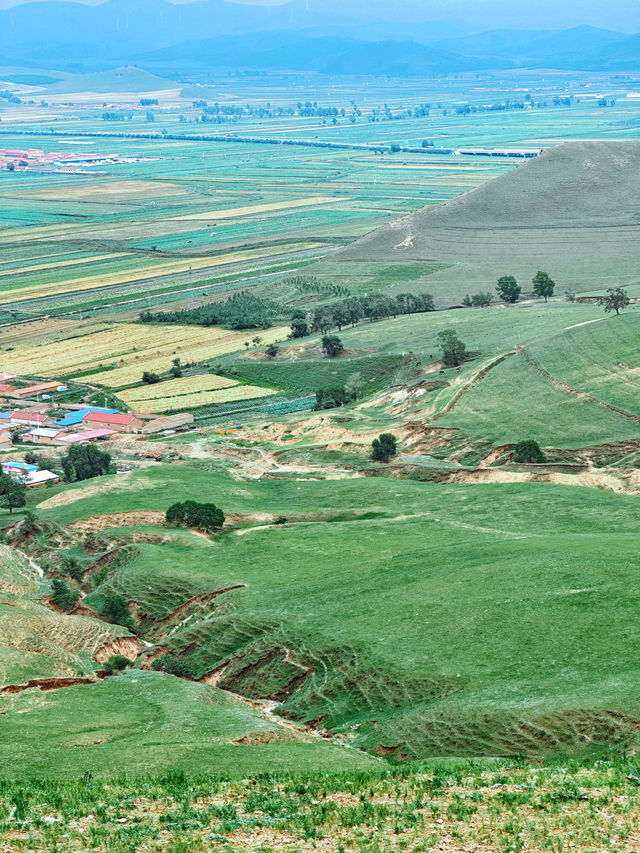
<point x="232" y="212"/>
<point x="231" y="394"/>
<point x="132" y="347"/>
<point x="175" y="388"/>
<point x="142" y="273"/>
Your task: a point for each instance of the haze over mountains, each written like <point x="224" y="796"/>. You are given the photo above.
<point x="407" y="38"/>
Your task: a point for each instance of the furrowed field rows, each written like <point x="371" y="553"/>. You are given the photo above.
<point x="68" y="263"/>
<point x="151" y="347"/>
<point x="176" y="388"/>
<point x="171" y="268"/>
<point x="231" y="394"/>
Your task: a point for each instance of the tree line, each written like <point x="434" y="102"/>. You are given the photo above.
<point x="349" y="312"/>
<point x="242" y="310"/>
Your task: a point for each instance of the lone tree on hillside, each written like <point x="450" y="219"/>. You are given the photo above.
<point x="113" y="608"/>
<point x="543" y="285"/>
<point x="62" y="596"/>
<point x="616" y="300"/>
<point x="84" y="461"/>
<point x="207" y="517"/>
<point x="332" y="346"/>
<point x="454" y="352"/>
<point x="12" y="493"/>
<point x="150" y="378"/>
<point x="384" y="447"/>
<point x="528" y="451"/>
<point x="508" y="289"/>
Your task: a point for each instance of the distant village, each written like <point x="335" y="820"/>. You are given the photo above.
<point x="29" y="416"/>
<point x="34" y="159"/>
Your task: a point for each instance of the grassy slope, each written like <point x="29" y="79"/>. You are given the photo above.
<point x="601" y="358"/>
<point x="458" y="602"/>
<point x="570" y="212"/>
<point x="36" y="642"/>
<point x="146" y="722"/>
<point x="495" y="807"/>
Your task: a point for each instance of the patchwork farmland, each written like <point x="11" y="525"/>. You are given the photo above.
<point x="310" y="573"/>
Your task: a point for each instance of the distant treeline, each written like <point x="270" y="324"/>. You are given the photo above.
<point x="241" y="311"/>
<point x="349" y="312"/>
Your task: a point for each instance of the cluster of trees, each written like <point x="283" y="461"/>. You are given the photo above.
<point x="349" y="312"/>
<point x="174" y="666"/>
<point x="384" y="447"/>
<point x="333" y="397"/>
<point x="207" y="517"/>
<point x="84" y="461"/>
<point x="176" y="370"/>
<point x="478" y="300"/>
<point x="117" y="115"/>
<point x="332" y="346"/>
<point x="311" y="284"/>
<point x="243" y="310"/>
<point x="454" y="351"/>
<point x="529" y="451"/>
<point x="63" y="596"/>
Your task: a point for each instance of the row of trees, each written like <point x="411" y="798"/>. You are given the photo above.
<point x="349" y="312"/>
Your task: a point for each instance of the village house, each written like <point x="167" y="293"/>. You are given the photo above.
<point x="5" y="440"/>
<point x="168" y="423"/>
<point x="29" y="419"/>
<point x="86" y="437"/>
<point x="29" y="475"/>
<point x="38" y="389"/>
<point x="18" y="470"/>
<point x="73" y="421"/>
<point x="117" y="422"/>
<point x="39" y="479"/>
<point x="45" y="435"/>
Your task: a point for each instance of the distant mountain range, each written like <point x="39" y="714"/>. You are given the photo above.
<point x="301" y="35"/>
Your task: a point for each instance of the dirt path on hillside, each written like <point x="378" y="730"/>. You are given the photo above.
<point x="569" y="389"/>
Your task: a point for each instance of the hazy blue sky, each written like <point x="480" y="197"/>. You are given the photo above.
<point x="479" y="14"/>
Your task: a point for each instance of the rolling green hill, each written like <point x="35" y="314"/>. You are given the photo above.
<point x="414" y="618"/>
<point x="572" y="212"/>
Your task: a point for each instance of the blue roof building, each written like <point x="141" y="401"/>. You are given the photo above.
<point x="74" y="418"/>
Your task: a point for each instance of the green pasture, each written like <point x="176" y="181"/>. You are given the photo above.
<point x="147" y="722"/>
<point x="482" y="610"/>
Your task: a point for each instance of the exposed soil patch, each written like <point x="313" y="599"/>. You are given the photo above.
<point x="130" y="647"/>
<point x="45" y="684"/>
<point x="95" y="523"/>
